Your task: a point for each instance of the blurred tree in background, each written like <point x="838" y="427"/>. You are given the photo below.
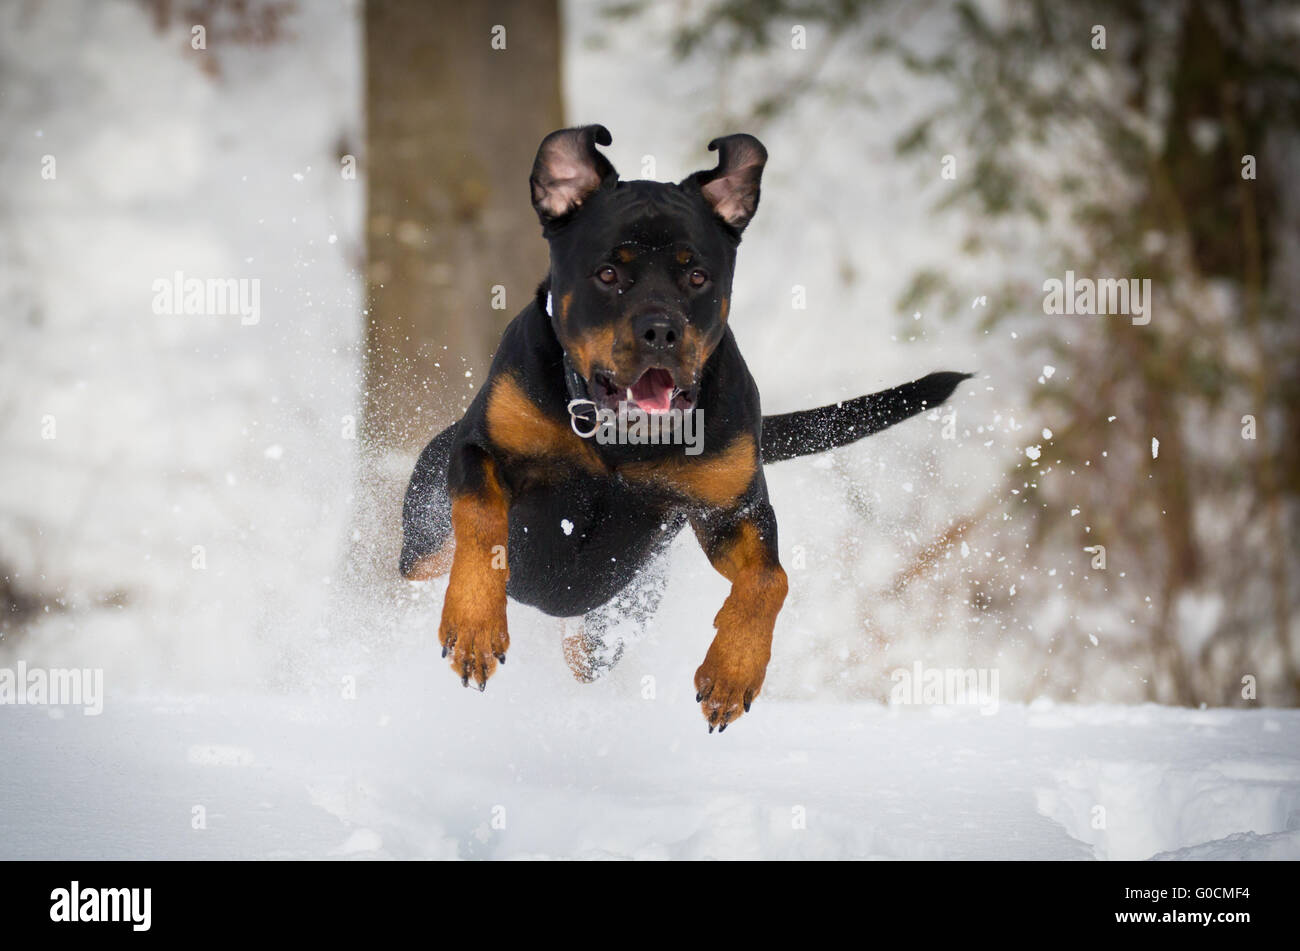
<point x="457" y="98"/>
<point x="458" y="95"/>
<point x="1126" y="140"/>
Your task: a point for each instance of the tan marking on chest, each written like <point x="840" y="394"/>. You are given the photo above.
<point x="518" y="426"/>
<point x="718" y="479"/>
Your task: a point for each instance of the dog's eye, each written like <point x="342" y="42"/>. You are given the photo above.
<point x="607" y="275"/>
<point x="698" y="278"/>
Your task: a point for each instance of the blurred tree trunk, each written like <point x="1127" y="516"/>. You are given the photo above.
<point x="452" y="127"/>
<point x="453" y="121"/>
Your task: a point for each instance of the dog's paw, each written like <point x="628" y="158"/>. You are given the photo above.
<point x="476" y="639"/>
<point x="727" y="683"/>
<point x="590" y="651"/>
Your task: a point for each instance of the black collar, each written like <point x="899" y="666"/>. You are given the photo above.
<point x="573" y="381"/>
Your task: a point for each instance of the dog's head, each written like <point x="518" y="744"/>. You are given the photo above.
<point x="641" y="271"/>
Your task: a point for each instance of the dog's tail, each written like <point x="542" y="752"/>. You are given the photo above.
<point x="828" y="427"/>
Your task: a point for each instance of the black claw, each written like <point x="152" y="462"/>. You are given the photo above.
<point x="699" y="697"/>
<point x="501" y="658"/>
<point x="482" y="686"/>
<point x="710" y="727"/>
<point x="723" y="728"/>
<point x="444" y="651"/>
<point x="747" y="705"/>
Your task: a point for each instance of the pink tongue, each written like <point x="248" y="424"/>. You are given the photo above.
<point x="654" y="391"/>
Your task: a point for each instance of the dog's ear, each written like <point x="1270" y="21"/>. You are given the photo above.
<point x="568" y="169"/>
<point x="731" y="189"/>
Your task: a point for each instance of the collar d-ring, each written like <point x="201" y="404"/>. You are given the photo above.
<point x="575" y="415"/>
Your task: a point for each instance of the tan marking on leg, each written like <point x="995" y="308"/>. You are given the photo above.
<point x="433" y="565"/>
<point x="577" y="654"/>
<point x="473" y="625"/>
<point x="735" y="667"/>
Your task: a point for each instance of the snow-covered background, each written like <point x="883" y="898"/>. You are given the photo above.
<point x="303" y="711"/>
<point x="175" y="431"/>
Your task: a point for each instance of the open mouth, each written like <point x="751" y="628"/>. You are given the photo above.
<point x="654" y="391"/>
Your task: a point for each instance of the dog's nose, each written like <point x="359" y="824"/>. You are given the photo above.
<point x="658" y="331"/>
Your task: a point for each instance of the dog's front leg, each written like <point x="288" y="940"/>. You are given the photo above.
<point x="741" y="545"/>
<point x="473" y="629"/>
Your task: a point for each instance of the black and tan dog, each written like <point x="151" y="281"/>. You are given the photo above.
<point x="634" y="312"/>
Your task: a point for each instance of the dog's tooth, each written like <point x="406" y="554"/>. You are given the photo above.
<point x="630" y="397"/>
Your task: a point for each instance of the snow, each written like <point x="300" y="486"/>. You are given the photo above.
<point x="421" y="768"/>
<point x="175" y="430"/>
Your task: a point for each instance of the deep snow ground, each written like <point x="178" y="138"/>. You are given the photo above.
<point x="417" y="767"/>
